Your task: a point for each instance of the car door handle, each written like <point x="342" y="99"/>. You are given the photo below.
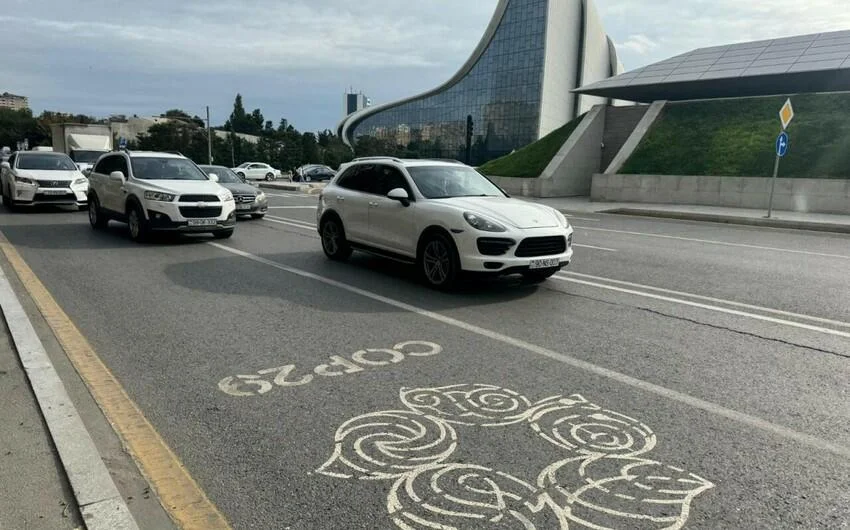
<point x="340" y="199"/>
<point x="373" y="204"/>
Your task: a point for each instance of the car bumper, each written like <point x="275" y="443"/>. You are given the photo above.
<point x="169" y="218"/>
<point x="253" y="209"/>
<point x="32" y="196"/>
<point x="472" y="260"/>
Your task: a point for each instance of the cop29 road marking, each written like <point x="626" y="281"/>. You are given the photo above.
<point x="715" y="242"/>
<point x="634" y="382"/>
<point x="253" y="385"/>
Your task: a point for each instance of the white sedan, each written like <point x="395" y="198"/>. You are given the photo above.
<point x="257" y="171"/>
<point x="31" y="178"/>
<point x="444" y="217"/>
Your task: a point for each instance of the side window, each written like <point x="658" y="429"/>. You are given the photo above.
<point x="357" y="178"/>
<point x="121" y="165"/>
<point x="105" y="166"/>
<point x="388" y="178"/>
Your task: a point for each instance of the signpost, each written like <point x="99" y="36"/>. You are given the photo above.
<point x="786" y="114"/>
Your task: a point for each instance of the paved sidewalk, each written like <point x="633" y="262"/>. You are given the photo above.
<point x="715" y="214"/>
<point x="34" y="492"/>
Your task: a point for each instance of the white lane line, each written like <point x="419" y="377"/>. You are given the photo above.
<point x="595" y="248"/>
<point x="292" y="207"/>
<point x="302" y="226"/>
<point x="735" y="312"/>
<point x="307" y="224"/>
<point x="97" y="496"/>
<point x="710" y="299"/>
<point x="713" y="242"/>
<point x="673" y="395"/>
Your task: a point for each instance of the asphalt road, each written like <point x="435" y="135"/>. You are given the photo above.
<point x="676" y="374"/>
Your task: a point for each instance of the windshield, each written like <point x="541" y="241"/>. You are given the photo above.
<point x="150" y="168"/>
<point x="443" y="182"/>
<point x="86" y="157"/>
<point x="38" y="162"/>
<point x="225" y="175"/>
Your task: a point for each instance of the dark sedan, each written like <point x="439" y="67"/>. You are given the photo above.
<point x="316" y="174"/>
<point x="249" y="200"/>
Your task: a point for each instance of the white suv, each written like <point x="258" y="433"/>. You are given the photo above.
<point x="158" y="192"/>
<point x="444" y="216"/>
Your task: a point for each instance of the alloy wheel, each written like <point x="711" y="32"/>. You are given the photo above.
<point x="437" y="262"/>
<point x="330" y="238"/>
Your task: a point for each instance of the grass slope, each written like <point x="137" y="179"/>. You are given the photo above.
<point x="736" y="137"/>
<point x="531" y="160"/>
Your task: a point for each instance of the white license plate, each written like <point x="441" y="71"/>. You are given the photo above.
<point x="243" y="206"/>
<point x="54" y="192"/>
<point x="546" y="263"/>
<point x="202" y="222"/>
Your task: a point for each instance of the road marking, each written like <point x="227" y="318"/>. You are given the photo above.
<point x="177" y="491"/>
<point x="292" y="207"/>
<point x="710" y="299"/>
<point x="713" y="242"/>
<point x="283" y="194"/>
<point x="673" y="395"/>
<point x="595" y="248"/>
<point x="293" y="222"/>
<point x="719" y="309"/>
<point x="99" y="501"/>
<point x="598" y="454"/>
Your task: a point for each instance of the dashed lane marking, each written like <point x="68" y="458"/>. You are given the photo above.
<point x="667" y="393"/>
<point x="182" y="497"/>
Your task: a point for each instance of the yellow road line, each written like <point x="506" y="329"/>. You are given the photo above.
<point x="178" y="492"/>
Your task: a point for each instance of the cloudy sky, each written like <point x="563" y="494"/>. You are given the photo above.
<point x="295" y="58"/>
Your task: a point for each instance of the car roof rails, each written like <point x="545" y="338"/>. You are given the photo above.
<point x="449" y="160"/>
<point x="364" y="158"/>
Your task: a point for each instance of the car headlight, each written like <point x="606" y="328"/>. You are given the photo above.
<point x="226" y="196"/>
<point x="80" y="182"/>
<point x="482" y="223"/>
<point x="24" y="180"/>
<point x="562" y="219"/>
<point x="261" y="196"/>
<point x="159" y="196"/>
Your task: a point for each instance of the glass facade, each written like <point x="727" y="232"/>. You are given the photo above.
<point x="502" y="92"/>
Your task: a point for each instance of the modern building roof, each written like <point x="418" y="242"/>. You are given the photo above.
<point x="803" y="64"/>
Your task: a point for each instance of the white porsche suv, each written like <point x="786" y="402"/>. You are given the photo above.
<point x="443" y="216"/>
<point x="158" y="192"/>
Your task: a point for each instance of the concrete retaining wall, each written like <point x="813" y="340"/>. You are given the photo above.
<point x="798" y="195"/>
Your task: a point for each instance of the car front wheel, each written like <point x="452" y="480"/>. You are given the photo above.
<point x="334" y="244"/>
<point x="136" y="223"/>
<point x="439" y="262"/>
<point x="269" y="177"/>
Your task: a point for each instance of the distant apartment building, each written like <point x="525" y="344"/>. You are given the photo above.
<point x="11" y="101"/>
<point x="355" y="102"/>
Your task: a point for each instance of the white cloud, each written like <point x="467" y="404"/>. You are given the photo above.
<point x="639" y="44"/>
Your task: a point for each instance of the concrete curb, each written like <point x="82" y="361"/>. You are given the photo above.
<point x="735" y="220"/>
<point x="99" y="501"/>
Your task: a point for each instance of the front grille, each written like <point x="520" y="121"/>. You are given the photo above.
<point x="494" y="246"/>
<point x="198" y="198"/>
<point x="244" y="198"/>
<point x="54" y="183"/>
<point x="196" y="212"/>
<point x="533" y="247"/>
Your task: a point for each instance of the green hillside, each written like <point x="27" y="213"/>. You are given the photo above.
<point x="531" y="160"/>
<point x="736" y="137"/>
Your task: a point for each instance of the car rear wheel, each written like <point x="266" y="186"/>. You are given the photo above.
<point x="439" y="262"/>
<point x="308" y="178"/>
<point x="270" y="177"/>
<point x="334" y="244"/>
<point x="97" y="219"/>
<point x="538" y="276"/>
<point x="136" y="223"/>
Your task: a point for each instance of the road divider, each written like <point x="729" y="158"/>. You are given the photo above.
<point x="670" y="394"/>
<point x="282" y="376"/>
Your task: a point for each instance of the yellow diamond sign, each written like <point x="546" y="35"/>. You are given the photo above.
<point x="786" y="114"/>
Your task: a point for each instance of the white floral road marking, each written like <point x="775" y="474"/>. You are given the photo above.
<point x="600" y="478"/>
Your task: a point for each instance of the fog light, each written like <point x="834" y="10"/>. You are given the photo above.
<point x="492" y="265"/>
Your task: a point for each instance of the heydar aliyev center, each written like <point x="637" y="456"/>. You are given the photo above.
<point x="516" y="85"/>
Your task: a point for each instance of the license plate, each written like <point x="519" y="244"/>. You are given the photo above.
<point x="202" y="222"/>
<point x="546" y="263"/>
<point x="243" y="206"/>
<point x="54" y="192"/>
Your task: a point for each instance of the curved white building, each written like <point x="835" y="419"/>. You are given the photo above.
<point x="516" y="85"/>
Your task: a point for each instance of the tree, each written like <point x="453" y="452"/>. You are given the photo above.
<point x="19" y="125"/>
<point x="238" y="121"/>
<point x="178" y="114"/>
<point x="311" y="148"/>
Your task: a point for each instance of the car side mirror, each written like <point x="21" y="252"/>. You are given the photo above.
<point x="400" y="195"/>
<point x="117" y="175"/>
<point x="213" y="177"/>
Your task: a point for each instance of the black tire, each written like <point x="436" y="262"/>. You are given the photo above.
<point x="136" y="223"/>
<point x="269" y="177"/>
<point x="97" y="218"/>
<point x="257" y="215"/>
<point x="223" y="234"/>
<point x="334" y="244"/>
<point x="308" y="178"/>
<point x="438" y="261"/>
<point x="538" y="276"/>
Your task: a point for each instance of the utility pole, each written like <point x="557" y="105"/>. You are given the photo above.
<point x="209" y="138"/>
